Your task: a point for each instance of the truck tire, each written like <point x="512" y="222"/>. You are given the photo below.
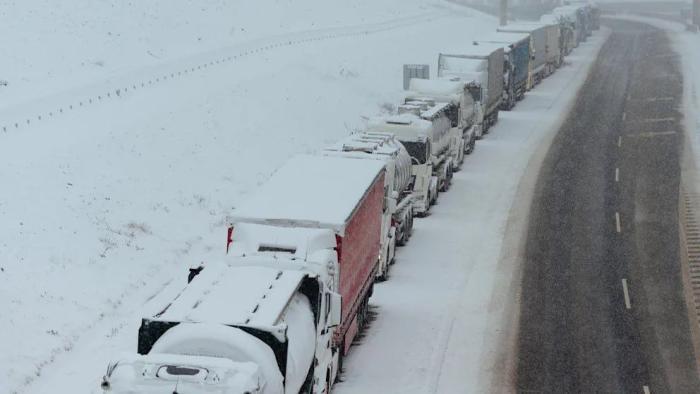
<point x="341" y="358"/>
<point x="408" y="230"/>
<point x="448" y="178"/>
<point x="383" y="275"/>
<point x="401" y="240"/>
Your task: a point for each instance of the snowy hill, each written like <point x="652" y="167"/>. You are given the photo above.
<point x="129" y="130"/>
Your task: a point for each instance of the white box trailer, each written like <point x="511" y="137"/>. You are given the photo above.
<point x="552" y="37"/>
<point x="567" y="40"/>
<point x="477" y="63"/>
<point x="572" y="17"/>
<point x="340" y="194"/>
<point x="397" y="218"/>
<point x="469" y="116"/>
<point x="544" y="43"/>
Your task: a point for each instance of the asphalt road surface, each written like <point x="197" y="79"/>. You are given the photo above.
<point x="602" y="308"/>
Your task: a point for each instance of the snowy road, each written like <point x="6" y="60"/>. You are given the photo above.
<point x="603" y="307"/>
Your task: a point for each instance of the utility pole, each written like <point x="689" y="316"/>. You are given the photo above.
<point x="503" y="12"/>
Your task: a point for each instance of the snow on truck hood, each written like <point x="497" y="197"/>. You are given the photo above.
<point x="163" y="373"/>
<point x="504" y="38"/>
<point x="406" y="127"/>
<point x="444" y="90"/>
<point x="311" y="191"/>
<point x="260" y="294"/>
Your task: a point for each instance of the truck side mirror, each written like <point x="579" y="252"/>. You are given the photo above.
<point x="336" y="310"/>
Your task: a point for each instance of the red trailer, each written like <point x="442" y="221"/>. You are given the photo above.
<point x="345" y="196"/>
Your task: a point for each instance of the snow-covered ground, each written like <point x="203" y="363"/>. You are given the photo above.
<point x="118" y="176"/>
<point x="129" y="130"/>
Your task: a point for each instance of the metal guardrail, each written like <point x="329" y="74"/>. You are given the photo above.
<point x="689" y="232"/>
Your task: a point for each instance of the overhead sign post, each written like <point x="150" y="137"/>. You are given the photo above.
<point x="503" y="12"/>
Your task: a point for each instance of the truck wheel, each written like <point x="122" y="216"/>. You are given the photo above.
<point x="341" y="357"/>
<point x="401" y="235"/>
<point x="409" y="227"/>
<point x="401" y="240"/>
<point x="448" y="178"/>
<point x="362" y="315"/>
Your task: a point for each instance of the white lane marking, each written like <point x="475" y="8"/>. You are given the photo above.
<point x="660" y="99"/>
<point x="652" y="99"/>
<point x="646" y="390"/>
<point x="617" y="222"/>
<point x="651" y="134"/>
<point x="655" y="120"/>
<point x="619" y="141"/>
<point x="629" y="96"/>
<point x="624" y="116"/>
<point x="617" y="175"/>
<point x="626" y="292"/>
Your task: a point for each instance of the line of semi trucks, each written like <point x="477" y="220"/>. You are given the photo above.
<point x="279" y="313"/>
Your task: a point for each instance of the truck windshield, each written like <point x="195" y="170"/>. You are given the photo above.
<point x="417" y="150"/>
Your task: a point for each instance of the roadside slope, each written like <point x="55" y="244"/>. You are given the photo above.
<point x="112" y="200"/>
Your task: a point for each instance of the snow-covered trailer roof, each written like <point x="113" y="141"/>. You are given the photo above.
<point x="505" y="39"/>
<point x="314" y="191"/>
<point x="238" y="296"/>
<point x="469" y="51"/>
<point x="490" y="46"/>
<point x="406" y="127"/>
<point x="435" y="110"/>
<point x="522" y="27"/>
<point x="377" y="146"/>
<point x="378" y="143"/>
<point x="441" y="89"/>
<point x="568" y="12"/>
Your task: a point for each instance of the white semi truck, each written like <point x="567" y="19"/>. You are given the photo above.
<point x="260" y="323"/>
<point x="467" y="116"/>
<point x="429" y="144"/>
<point x="436" y="113"/>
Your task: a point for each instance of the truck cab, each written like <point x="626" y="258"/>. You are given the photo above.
<point x="466" y="117"/>
<point x="426" y="144"/>
<point x="261" y="321"/>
